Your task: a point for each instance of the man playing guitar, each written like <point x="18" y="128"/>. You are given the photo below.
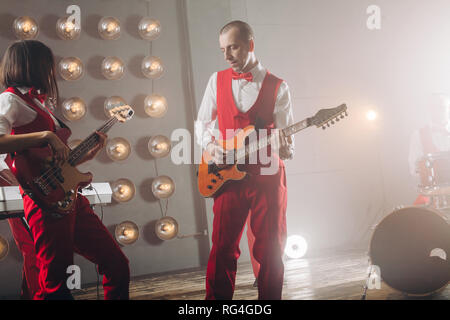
<point x="246" y="94"/>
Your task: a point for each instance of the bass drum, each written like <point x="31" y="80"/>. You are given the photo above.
<point x="401" y="245"/>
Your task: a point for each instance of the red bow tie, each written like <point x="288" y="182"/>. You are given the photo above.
<point x="246" y="76"/>
<point x="34" y="94"/>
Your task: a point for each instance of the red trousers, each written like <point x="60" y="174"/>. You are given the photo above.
<point x="30" y="271"/>
<point x="265" y="198"/>
<point x="251" y="243"/>
<point x="55" y="241"/>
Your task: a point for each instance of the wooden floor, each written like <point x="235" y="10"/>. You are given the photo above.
<point x="332" y="275"/>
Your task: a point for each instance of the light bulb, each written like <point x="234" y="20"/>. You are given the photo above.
<point x="73" y="109"/>
<point x="109" y="28"/>
<point x="149" y="29"/>
<point x="152" y="67"/>
<point x="163" y="187"/>
<point x="67" y="30"/>
<point x="127" y="232"/>
<point x="118" y="149"/>
<point x="71" y="68"/>
<point x="159" y="146"/>
<point x="166" y="228"/>
<point x="25" y="28"/>
<point x="112" y="68"/>
<point x="155" y="105"/>
<point x="123" y="190"/>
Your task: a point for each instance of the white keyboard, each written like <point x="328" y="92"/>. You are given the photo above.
<point x="11" y="200"/>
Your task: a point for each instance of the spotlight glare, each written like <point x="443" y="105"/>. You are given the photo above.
<point x="371" y="115"/>
<point x="296" y="247"/>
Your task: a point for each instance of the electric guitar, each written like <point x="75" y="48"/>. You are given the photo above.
<point x="212" y="176"/>
<point x="55" y="187"/>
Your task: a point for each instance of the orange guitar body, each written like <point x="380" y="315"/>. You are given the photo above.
<point x="210" y="179"/>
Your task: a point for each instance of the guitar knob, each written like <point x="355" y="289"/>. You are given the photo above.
<point x="210" y="187"/>
<point x="60" y="203"/>
<point x="213" y="180"/>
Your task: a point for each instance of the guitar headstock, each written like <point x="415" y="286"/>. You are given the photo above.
<point x="324" y="117"/>
<point x="122" y="113"/>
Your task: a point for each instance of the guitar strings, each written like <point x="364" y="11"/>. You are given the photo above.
<point x="50" y="173"/>
<point x="79" y="151"/>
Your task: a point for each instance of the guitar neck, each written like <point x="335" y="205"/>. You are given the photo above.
<point x="87" y="144"/>
<point x="267" y="140"/>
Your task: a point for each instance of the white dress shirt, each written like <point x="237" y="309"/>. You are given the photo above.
<point x="14" y="112"/>
<point x="245" y="94"/>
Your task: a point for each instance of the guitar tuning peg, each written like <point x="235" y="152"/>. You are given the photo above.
<point x="337" y="119"/>
<point x="342" y="116"/>
<point x="332" y="122"/>
<point x="323" y="127"/>
<point x="328" y="124"/>
<point x="346" y="114"/>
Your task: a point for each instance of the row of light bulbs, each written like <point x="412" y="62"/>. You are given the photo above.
<point x="123" y="190"/>
<point x="112" y="68"/>
<point x="26" y="28"/>
<point x="118" y="149"/>
<point x="126" y="233"/>
<point x="74" y="108"/>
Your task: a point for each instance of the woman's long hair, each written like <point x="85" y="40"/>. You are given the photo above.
<point x="30" y="63"/>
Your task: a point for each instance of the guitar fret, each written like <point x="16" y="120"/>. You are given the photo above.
<point x="87" y="144"/>
<point x="266" y="141"/>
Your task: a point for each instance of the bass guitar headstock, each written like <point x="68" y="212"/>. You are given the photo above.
<point x="122" y="113"/>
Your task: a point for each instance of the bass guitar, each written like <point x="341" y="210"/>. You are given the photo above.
<point x="55" y="187"/>
<point x="212" y="176"/>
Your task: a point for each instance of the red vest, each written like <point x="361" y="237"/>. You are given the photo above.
<point x="42" y="122"/>
<point x="259" y="115"/>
